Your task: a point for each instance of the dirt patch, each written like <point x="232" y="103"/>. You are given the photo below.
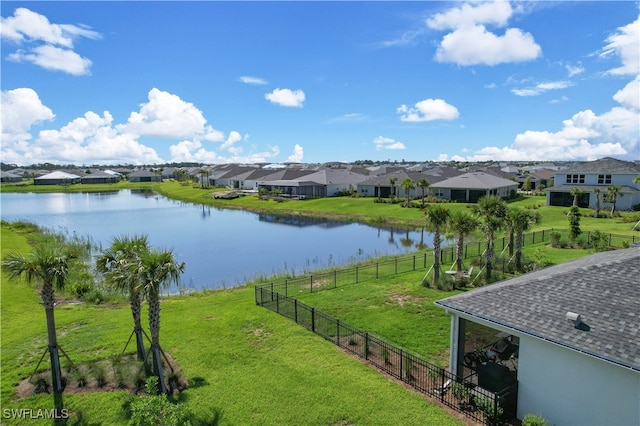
<point x="403" y="299"/>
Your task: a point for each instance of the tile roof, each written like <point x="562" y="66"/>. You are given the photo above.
<point x="604" y="288"/>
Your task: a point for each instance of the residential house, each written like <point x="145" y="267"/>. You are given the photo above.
<point x="100" y="177"/>
<point x="574" y="334"/>
<point x="379" y="185"/>
<point x="596" y="175"/>
<point x="10" y="177"/>
<point x="57" y="178"/>
<point x="469" y="187"/>
<point x="144" y="176"/>
<point x="310" y="183"/>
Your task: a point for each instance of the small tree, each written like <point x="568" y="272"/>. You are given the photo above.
<point x="407" y="185"/>
<point x="423" y="184"/>
<point x="613" y="192"/>
<point x="462" y="224"/>
<point x="392" y="182"/>
<point x="597" y="192"/>
<point x="574" y="223"/>
<point x="576" y="193"/>
<point x="527" y="183"/>
<point x="437" y="217"/>
<point x="492" y="211"/>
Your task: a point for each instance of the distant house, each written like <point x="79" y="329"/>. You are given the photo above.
<point x="10" y="177"/>
<point x="469" y="187"/>
<point x="380" y="186"/>
<point x="312" y="183"/>
<point x="100" y="177"/>
<point x="57" y="178"/>
<point x="144" y="176"/>
<point x="568" y="335"/>
<point x="599" y="174"/>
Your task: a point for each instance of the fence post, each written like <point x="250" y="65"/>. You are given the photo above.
<point x="414" y="262"/>
<point x="313" y="319"/>
<point x="272" y="292"/>
<point x="424" y="262"/>
<point x="401" y="366"/>
<point x="311" y="282"/>
<point x="377" y="264"/>
<point x="335" y="278"/>
<point x="442" y="389"/>
<point x="286" y="288"/>
<point x="278" y="302"/>
<point x="356" y="275"/>
<point x="366" y="345"/>
<point x="396" y="266"/>
<point x="295" y="309"/>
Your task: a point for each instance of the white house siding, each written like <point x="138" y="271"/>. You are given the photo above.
<point x="574" y="388"/>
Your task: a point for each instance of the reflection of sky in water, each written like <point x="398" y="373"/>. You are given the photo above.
<point x="219" y="247"/>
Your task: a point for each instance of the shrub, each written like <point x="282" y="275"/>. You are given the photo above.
<point x="492" y="412"/>
<point x="599" y="240"/>
<point x="556" y="238"/>
<point x="533" y="420"/>
<point x="157" y="410"/>
<point x="460" y="392"/>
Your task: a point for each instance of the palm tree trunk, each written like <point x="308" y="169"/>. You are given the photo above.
<point x="436" y="256"/>
<point x="519" y="241"/>
<point x="134" y="301"/>
<point x="48" y="301"/>
<point x="489" y="257"/>
<point x="459" y="249"/>
<point x="154" y="327"/>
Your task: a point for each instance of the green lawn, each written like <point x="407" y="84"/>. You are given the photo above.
<point x="247" y="364"/>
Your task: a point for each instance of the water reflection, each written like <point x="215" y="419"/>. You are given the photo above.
<point x="221" y="248"/>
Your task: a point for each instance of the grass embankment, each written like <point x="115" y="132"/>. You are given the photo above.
<point x="245" y="363"/>
<point x="359" y="209"/>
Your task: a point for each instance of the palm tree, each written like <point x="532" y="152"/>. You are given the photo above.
<point x="204" y="174"/>
<point x="407" y="185"/>
<point x="613" y="191"/>
<point x="157" y="269"/>
<point x="48" y="267"/>
<point x="492" y="211"/>
<point x="115" y="264"/>
<point x="423" y="184"/>
<point x="597" y="192"/>
<point x="462" y="224"/>
<point x="521" y="220"/>
<point x="576" y="192"/>
<point x="437" y="217"/>
<point x="392" y="182"/>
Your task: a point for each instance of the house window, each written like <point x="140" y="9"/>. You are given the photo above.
<point x="439" y="193"/>
<point x="604" y="179"/>
<point x="575" y="178"/>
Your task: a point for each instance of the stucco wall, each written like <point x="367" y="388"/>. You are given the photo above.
<point x="571" y="388"/>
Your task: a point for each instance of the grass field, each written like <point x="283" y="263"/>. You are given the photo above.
<point x="247" y="365"/>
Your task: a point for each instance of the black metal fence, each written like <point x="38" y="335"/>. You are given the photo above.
<point x="461" y="394"/>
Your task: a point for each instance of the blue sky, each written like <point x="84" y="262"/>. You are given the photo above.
<point x="216" y="82"/>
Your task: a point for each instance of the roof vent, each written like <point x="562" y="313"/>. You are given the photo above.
<point x="576" y="319"/>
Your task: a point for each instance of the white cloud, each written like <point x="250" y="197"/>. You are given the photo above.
<point x="48" y="45"/>
<point x="469" y="42"/>
<point x="382" y="142"/>
<point x="229" y="144"/>
<point x="168" y="116"/>
<point x="252" y="80"/>
<point x="351" y="117"/>
<point x="53" y="58"/>
<point x="428" y="110"/>
<point x="574" y="70"/>
<point x="20" y="109"/>
<point x="542" y="87"/>
<point x="286" y="97"/>
<point x="629" y="96"/>
<point x="194" y="151"/>
<point x="626" y="44"/>
<point x="297" y="155"/>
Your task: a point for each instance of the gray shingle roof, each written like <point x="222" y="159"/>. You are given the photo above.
<point x="605" y="165"/>
<point x="475" y="180"/>
<point x="604" y="288"/>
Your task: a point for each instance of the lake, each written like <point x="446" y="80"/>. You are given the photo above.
<point x="221" y="248"/>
